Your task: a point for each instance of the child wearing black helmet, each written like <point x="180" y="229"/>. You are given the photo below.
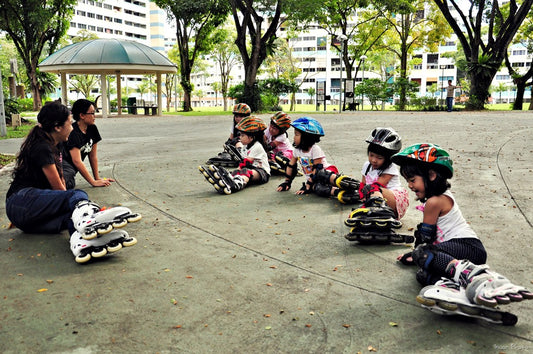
<point x="450" y="256"/>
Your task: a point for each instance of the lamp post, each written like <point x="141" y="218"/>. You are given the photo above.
<point x="362" y="58"/>
<point x="341" y="38"/>
<point x="442" y="66"/>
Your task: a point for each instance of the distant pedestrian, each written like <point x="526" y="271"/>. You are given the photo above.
<point x="450" y="95"/>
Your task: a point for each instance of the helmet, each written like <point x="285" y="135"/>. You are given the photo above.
<point x="282" y="120"/>
<point x="427" y="154"/>
<point x="308" y="125"/>
<point x="242" y="109"/>
<point x="251" y="124"/>
<point x="387" y="138"/>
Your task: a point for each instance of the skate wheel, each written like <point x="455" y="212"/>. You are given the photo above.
<point x="424" y="301"/>
<point x="134" y="217"/>
<point x="528" y="295"/>
<point x="99" y="252"/>
<point x="89" y="236"/>
<point x="470" y="310"/>
<point x="449" y="306"/>
<point x="127" y="242"/>
<point x="227" y="191"/>
<point x="508" y="319"/>
<point x="120" y="223"/>
<point x="114" y="246"/>
<point x="104" y="229"/>
<point x="82" y="258"/>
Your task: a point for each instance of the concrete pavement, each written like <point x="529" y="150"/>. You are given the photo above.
<point x="261" y="271"/>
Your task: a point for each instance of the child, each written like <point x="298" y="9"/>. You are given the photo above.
<point x="307" y="133"/>
<point x="446" y="245"/>
<point x="231" y="156"/>
<point x="253" y="170"/>
<point x="38" y="201"/>
<point x="82" y="142"/>
<point x="277" y="140"/>
<point x="380" y="183"/>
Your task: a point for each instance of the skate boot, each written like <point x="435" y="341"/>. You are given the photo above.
<point x="348" y="197"/>
<point x="235" y="152"/>
<point x="223" y="159"/>
<point x="84" y="250"/>
<point x="348" y="183"/>
<point x="375" y="214"/>
<point x="221" y="179"/>
<point x="90" y="221"/>
<point x="447" y="297"/>
<point x="485" y="287"/>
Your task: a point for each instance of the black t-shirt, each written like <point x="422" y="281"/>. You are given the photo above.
<point x="82" y="141"/>
<point x="41" y="154"/>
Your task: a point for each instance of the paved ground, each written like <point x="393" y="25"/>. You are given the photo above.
<point x="261" y="271"/>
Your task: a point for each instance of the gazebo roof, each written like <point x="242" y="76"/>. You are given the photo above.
<point x="107" y="56"/>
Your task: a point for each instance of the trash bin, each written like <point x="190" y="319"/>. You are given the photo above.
<point x="131" y="103"/>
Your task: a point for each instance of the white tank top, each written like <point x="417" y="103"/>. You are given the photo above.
<point x="453" y="224"/>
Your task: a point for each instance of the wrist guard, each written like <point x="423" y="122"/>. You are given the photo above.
<point x="304" y="189"/>
<point x="285" y="186"/>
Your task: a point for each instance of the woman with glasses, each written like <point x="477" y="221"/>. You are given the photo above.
<point x="82" y="143"/>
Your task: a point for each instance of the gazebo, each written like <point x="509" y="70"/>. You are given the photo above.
<point x="108" y="57"/>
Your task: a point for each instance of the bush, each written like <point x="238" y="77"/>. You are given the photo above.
<point x="25" y="104"/>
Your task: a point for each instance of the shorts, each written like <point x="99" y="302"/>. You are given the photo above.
<point x="401" y="196"/>
<point x="264" y="177"/>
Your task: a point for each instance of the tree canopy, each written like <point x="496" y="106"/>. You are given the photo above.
<point x="35" y="26"/>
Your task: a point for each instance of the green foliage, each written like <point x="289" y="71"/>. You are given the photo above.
<point x="374" y="90"/>
<point x="25" y="104"/>
<point x="11" y="106"/>
<point x="35" y="25"/>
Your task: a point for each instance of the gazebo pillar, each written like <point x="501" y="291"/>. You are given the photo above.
<point x="103" y="85"/>
<point x="119" y="93"/>
<point x="64" y="95"/>
<point x="159" y="96"/>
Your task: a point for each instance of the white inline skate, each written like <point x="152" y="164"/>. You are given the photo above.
<point x="113" y="241"/>
<point x="90" y="221"/>
<point x="447" y="297"/>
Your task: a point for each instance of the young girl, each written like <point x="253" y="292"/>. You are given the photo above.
<point x="38" y="201"/>
<point x="82" y="142"/>
<point x="231" y="156"/>
<point x="446" y="245"/>
<point x="277" y="141"/>
<point x="307" y="133"/>
<point x="253" y="170"/>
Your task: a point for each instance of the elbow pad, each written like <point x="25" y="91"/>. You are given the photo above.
<point x="425" y="233"/>
<point x="294" y="171"/>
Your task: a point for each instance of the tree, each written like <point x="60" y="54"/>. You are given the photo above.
<point x="170" y="79"/>
<point x="413" y="25"/>
<point x="485" y="32"/>
<point x="524" y="37"/>
<point x="311" y="92"/>
<point x="501" y="87"/>
<point x="216" y="86"/>
<point x="83" y="83"/>
<point x="253" y="42"/>
<point x="84" y="35"/>
<point x="227" y="56"/>
<point x="35" y="25"/>
<point x="375" y="90"/>
<point x="195" y="22"/>
<point x="361" y="23"/>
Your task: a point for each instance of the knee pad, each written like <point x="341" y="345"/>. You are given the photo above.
<point x="423" y="256"/>
<point x="322" y="190"/>
<point x="323" y="177"/>
<point x="243" y="172"/>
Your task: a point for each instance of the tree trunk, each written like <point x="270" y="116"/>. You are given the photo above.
<point x="479" y="90"/>
<point x="519" y="100"/>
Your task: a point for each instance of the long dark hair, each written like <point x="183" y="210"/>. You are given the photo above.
<point x="307" y="140"/>
<point x="53" y="114"/>
<point x="79" y="107"/>
<point x="433" y="188"/>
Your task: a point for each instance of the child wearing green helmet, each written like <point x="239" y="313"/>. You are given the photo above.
<point x="450" y="256"/>
<point x="254" y="169"/>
